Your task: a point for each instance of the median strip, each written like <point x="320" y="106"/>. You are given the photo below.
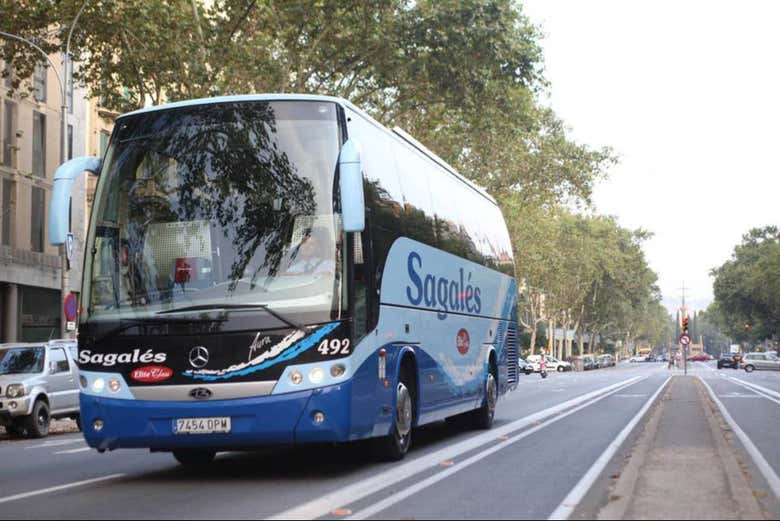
<point x="357" y="491"/>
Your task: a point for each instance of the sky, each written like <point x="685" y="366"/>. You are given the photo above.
<point x="687" y="94"/>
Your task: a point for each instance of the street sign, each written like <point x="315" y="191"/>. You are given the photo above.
<point x="71" y="326"/>
<point x="685" y="340"/>
<point x="70" y="307"/>
<point x="69" y="246"/>
<point x="735" y="348"/>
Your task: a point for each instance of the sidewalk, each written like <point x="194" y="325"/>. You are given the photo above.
<point x="682" y="466"/>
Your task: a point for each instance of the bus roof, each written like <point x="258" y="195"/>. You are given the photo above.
<point x="311" y="97"/>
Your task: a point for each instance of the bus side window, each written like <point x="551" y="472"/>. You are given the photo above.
<point x="384" y="206"/>
<point x="413" y="171"/>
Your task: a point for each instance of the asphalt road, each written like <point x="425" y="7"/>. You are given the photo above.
<point x="550" y="448"/>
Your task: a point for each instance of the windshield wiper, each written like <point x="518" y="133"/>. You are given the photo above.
<point x="237" y="307"/>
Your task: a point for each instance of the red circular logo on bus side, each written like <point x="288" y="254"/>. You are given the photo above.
<point x="463" y="342"/>
<point x="151" y="374"/>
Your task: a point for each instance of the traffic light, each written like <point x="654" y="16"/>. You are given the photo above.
<point x="685" y="321"/>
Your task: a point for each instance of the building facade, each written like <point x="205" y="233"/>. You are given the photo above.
<point x="30" y="268"/>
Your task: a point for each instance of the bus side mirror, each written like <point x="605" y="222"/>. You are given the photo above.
<point x="59" y="208"/>
<point x="353" y="205"/>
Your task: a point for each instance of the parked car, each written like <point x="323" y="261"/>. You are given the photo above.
<point x="701" y="357"/>
<point x="38" y="383"/>
<point x="728" y="360"/>
<point x="588" y="364"/>
<point x="606" y="361"/>
<point x="524" y="367"/>
<point x="637" y="359"/>
<point x="760" y="362"/>
<point x="553" y="364"/>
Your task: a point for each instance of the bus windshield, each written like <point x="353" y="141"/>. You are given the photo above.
<point x="218" y="205"/>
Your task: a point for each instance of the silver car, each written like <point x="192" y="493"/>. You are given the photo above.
<point x="38" y="382"/>
<point x="760" y="361"/>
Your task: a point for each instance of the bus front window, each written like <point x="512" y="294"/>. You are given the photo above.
<point x="218" y="204"/>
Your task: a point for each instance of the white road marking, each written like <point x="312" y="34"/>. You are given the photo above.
<point x="758" y="390"/>
<point x="41" y="492"/>
<point x="630" y="396"/>
<point x="59" y="443"/>
<point x="757" y="387"/>
<point x="356" y="491"/>
<point x="763" y="465"/>
<point x="422" y="485"/>
<point x="567" y="506"/>
<point x="740" y="395"/>
<point x="74" y="451"/>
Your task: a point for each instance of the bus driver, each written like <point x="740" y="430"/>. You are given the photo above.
<point x="312" y="256"/>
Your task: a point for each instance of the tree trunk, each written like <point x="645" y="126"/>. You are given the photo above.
<point x="593" y="334"/>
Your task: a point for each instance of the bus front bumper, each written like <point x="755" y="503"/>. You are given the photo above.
<point x="285" y="419"/>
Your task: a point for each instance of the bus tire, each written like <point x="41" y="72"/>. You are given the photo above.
<point x="483" y="417"/>
<point x="194" y="458"/>
<point x="394" y="446"/>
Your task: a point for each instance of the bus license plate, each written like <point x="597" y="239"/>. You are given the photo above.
<point x="201" y="426"/>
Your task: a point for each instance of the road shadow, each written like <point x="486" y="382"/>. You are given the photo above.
<point x="58" y="428"/>
<point x="305" y="462"/>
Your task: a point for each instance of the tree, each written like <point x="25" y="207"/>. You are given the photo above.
<point x="461" y="75"/>
<point x="747" y="287"/>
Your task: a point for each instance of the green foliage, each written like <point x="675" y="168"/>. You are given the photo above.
<point x="708" y="326"/>
<point x="461" y="75"/>
<point x="747" y="287"/>
<point x="592" y="272"/>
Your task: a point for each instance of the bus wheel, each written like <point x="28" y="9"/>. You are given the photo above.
<point x="483" y="417"/>
<point x="194" y="458"/>
<point x="395" y="446"/>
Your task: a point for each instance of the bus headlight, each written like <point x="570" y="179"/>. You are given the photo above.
<point x="338" y="370"/>
<point x="84" y="382"/>
<point x="98" y="385"/>
<point x="296" y="377"/>
<point x="316" y="375"/>
<point x="114" y="385"/>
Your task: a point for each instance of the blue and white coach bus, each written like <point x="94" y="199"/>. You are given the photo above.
<point x="282" y="269"/>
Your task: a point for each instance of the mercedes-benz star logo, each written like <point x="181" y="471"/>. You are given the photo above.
<point x="199" y="357"/>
